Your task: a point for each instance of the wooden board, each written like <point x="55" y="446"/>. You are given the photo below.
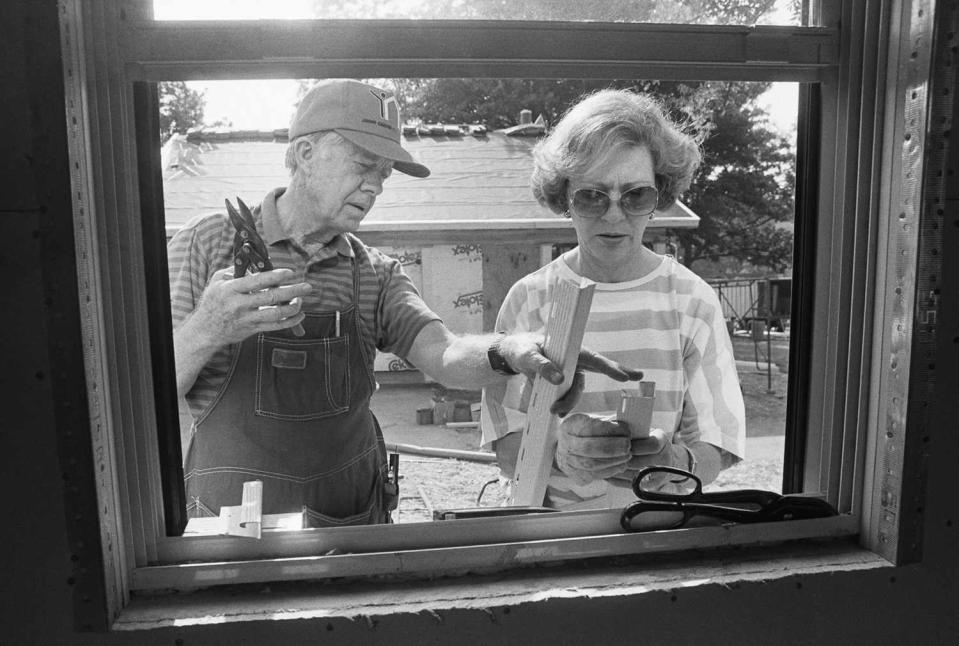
<point x="564" y="336"/>
<point x="636" y="409"/>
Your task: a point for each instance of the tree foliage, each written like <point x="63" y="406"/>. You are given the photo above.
<point x="731" y="12"/>
<point x="743" y="191"/>
<point x="181" y="108"/>
<point x="495" y="103"/>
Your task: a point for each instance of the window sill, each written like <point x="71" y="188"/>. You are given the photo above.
<point x="450" y="547"/>
<point x="631" y="576"/>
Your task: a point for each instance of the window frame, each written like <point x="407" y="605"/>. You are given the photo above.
<point x="109" y="46"/>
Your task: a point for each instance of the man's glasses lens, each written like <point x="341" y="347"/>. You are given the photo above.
<point x="593" y="203"/>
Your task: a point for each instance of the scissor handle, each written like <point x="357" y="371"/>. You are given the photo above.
<point x="669" y="497"/>
<point x="663" y="509"/>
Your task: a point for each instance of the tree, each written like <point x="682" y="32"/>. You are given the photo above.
<point x="743" y="191"/>
<point x="738" y="12"/>
<point x="495" y="103"/>
<point x="181" y="108"/>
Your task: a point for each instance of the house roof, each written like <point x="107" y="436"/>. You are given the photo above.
<point x="477" y="176"/>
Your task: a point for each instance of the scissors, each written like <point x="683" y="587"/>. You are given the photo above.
<point x="738" y="505"/>
<point x="250" y="254"/>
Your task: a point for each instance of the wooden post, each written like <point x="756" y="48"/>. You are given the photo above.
<point x="564" y="336"/>
<point x="636" y="409"/>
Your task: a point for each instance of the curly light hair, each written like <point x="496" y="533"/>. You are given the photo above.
<point x="601" y="122"/>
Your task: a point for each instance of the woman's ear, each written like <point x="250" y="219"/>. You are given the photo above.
<point x="560" y="202"/>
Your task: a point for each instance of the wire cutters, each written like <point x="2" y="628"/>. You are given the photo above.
<point x="250" y="254"/>
<point x="249" y="251"/>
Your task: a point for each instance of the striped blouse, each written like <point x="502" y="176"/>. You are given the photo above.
<point x="669" y="324"/>
<point x="391" y="311"/>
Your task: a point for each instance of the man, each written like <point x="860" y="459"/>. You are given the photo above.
<point x="293" y="411"/>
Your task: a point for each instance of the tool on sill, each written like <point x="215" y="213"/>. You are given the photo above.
<point x="488" y="512"/>
<point x="250" y="253"/>
<point x="656" y="509"/>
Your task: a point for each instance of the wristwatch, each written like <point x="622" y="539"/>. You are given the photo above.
<point x="691" y="465"/>
<point x="497" y="361"/>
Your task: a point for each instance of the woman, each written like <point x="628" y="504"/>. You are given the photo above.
<point x="609" y="164"/>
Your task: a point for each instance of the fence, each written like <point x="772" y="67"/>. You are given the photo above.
<point x="747" y="299"/>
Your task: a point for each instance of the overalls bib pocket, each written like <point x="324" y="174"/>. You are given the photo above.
<point x="302" y="379"/>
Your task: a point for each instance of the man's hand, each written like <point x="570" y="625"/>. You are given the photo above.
<point x="598" y="448"/>
<point x="233" y="309"/>
<point x="524" y="353"/>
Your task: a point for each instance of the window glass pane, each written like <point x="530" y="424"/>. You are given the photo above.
<point x="734" y="230"/>
<point x="706" y="12"/>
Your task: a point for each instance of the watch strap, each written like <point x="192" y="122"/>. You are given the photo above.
<point x="497" y="361"/>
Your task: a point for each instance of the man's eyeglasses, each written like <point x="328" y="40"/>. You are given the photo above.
<point x="658" y="509"/>
<point x="594" y="203"/>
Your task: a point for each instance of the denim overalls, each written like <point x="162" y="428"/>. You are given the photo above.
<point x="294" y="413"/>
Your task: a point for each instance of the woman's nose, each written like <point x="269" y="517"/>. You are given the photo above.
<point x="614" y="213"/>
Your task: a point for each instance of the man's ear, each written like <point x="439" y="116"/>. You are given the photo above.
<point x="303" y="150"/>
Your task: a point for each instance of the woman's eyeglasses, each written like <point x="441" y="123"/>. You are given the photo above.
<point x="594" y="203"/>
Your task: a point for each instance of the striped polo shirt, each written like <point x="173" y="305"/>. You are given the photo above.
<point x="390" y="309"/>
<point x="670" y="325"/>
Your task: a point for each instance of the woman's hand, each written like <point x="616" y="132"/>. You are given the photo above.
<point x="653" y="451"/>
<point x="592" y="448"/>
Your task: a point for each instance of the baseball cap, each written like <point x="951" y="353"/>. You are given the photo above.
<point x="365" y="115"/>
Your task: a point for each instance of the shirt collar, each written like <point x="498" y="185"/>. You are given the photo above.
<point x="273" y="232"/>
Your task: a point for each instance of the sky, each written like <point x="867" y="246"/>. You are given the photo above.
<point x="250" y="105"/>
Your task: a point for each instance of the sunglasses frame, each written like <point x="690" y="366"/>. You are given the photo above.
<point x="609" y="202"/>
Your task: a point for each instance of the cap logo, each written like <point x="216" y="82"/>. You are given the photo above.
<point x="386" y="99"/>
